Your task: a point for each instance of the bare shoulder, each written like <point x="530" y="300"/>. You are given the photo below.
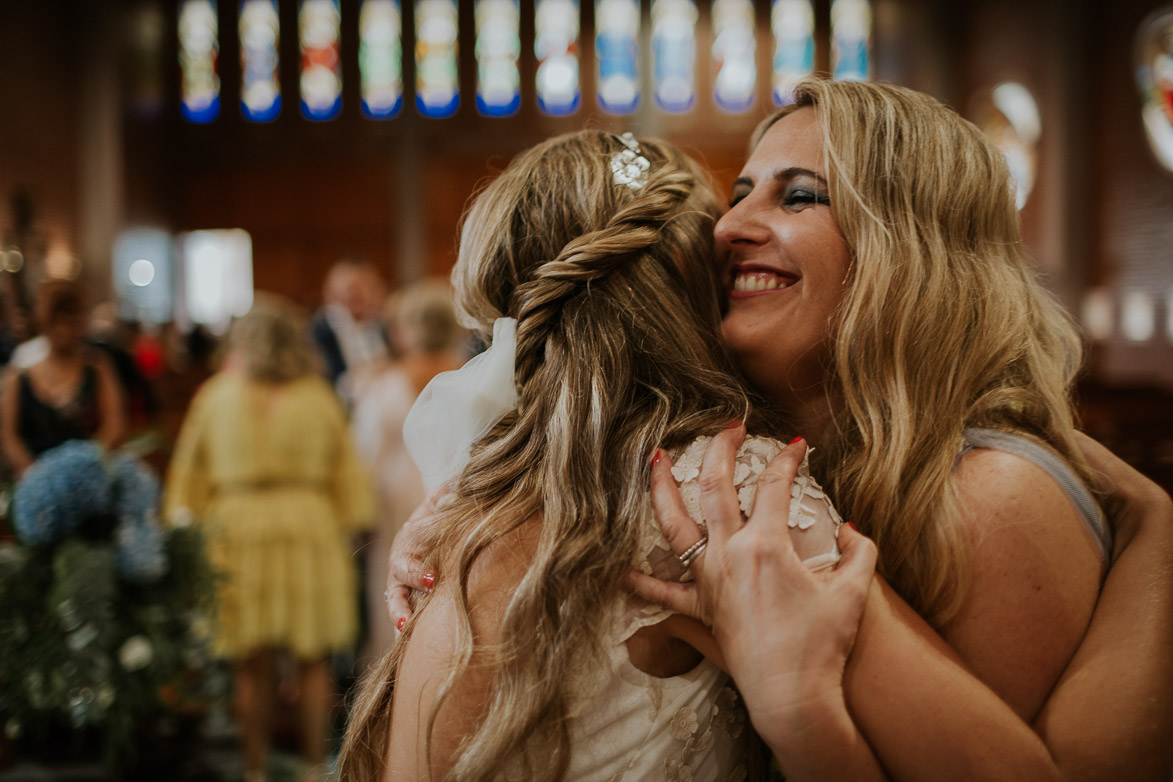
<point x="1035" y="576"/>
<point x="434" y="647"/>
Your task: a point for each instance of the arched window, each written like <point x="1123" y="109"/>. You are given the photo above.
<point x="556" y="49"/>
<point x="793" y="25"/>
<point x="851" y="40"/>
<point x="199" y="51"/>
<point x="1154" y="73"/>
<point x="498" y="49"/>
<point x="617" y="52"/>
<point x="318" y="24"/>
<point x="734" y="54"/>
<point x="380" y="49"/>
<point x="260" y="31"/>
<point x="437" y="89"/>
<point x="674" y="52"/>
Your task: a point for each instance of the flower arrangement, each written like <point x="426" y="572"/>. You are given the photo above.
<point x="103" y="614"/>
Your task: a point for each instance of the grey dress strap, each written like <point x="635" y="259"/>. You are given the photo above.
<point x="1057" y="468"/>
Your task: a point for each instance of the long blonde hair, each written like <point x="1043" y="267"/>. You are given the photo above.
<point x="272" y="341"/>
<point x="618" y="353"/>
<point x="943" y="325"/>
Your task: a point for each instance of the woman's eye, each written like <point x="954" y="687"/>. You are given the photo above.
<point x="736" y="199"/>
<point x="805" y="197"/>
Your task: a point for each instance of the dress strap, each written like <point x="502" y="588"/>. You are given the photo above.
<point x="1058" y="469"/>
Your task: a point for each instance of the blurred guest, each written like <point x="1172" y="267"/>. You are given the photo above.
<point x="264" y="460"/>
<point x="427" y="338"/>
<point x="72" y="393"/>
<point x="109" y="332"/>
<point x="347" y="329"/>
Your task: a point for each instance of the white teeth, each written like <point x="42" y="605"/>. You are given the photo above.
<point x="753" y="282"/>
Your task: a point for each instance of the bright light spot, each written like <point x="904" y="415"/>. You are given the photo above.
<point x="141" y="273"/>
<point x="1019" y="107"/>
<point x="1097" y="313"/>
<point x="1137" y="316"/>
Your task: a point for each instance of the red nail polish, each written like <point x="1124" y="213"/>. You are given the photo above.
<point x="402" y="621"/>
<point x="429" y="580"/>
<point x="795" y="440"/>
<point x="853" y="526"/>
<point x="656" y="457"/>
<point x="733" y="424"/>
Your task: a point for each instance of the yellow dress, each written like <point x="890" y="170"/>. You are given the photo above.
<point x="271" y="474"/>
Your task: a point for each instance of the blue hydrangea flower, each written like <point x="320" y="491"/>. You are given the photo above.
<point x="66" y="485"/>
<point x="138" y="488"/>
<point x="141" y="557"/>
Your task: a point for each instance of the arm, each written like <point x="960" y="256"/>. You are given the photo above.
<point x="950" y="725"/>
<point x="432" y="650"/>
<point x="15" y="450"/>
<point x="110" y="405"/>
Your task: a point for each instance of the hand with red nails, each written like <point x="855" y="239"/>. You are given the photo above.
<point x="407" y="571"/>
<point x="785" y="632"/>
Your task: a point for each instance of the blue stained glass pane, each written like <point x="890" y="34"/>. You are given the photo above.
<point x="617" y="51"/>
<point x="793" y="25"/>
<point x="199" y="52"/>
<point x="734" y="52"/>
<point x="556" y="48"/>
<point x="498" y="49"/>
<point x="321" y="64"/>
<point x="851" y="32"/>
<point x="380" y="50"/>
<point x="260" y="30"/>
<point x="674" y="51"/>
<point x="437" y="90"/>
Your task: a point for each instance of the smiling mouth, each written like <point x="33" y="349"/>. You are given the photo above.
<point x="759" y="281"/>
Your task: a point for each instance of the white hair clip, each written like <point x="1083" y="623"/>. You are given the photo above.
<point x="629" y="165"/>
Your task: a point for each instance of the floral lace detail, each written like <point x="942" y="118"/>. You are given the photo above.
<point x="726" y="715"/>
<point x="810" y="509"/>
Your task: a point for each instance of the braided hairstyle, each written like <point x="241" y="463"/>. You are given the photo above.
<point x="618" y="352"/>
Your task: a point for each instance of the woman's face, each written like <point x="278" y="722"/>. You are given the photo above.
<point x="785" y="264"/>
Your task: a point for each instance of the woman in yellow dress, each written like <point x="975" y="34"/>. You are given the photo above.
<point x="264" y="462"/>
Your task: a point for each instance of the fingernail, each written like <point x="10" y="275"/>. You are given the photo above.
<point x="656" y="457"/>
<point x="795" y="440"/>
<point x="733" y="424"/>
<point x="853" y="526"/>
<point x="402" y="621"/>
<point x="429" y="580"/>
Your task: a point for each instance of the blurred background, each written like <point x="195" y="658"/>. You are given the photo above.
<point x="175" y="157"/>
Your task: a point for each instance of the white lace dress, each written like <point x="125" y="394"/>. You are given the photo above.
<point x="630" y="726"/>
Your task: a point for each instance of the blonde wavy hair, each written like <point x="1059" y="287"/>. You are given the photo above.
<point x="618" y="353"/>
<point x="272" y="342"/>
<point x="943" y="325"/>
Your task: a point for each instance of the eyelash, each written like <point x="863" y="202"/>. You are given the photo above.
<point x="794" y="198"/>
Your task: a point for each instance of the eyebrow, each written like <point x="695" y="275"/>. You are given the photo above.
<point x="783" y="175"/>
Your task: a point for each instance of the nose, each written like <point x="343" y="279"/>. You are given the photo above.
<point x="740" y="227"/>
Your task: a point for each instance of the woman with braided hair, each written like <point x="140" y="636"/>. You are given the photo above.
<point x="589" y="262"/>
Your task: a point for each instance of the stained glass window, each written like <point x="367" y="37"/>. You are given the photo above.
<point x="437" y="91"/>
<point x="556" y="49"/>
<point x="793" y="25"/>
<point x="1010" y="117"/>
<point x="617" y="52"/>
<point x="1154" y="73"/>
<point x="321" y="64"/>
<point x="498" y="48"/>
<point x="199" y="53"/>
<point x="260" y="30"/>
<point x="674" y="52"/>
<point x="851" y="40"/>
<point x="380" y="52"/>
<point x="734" y="48"/>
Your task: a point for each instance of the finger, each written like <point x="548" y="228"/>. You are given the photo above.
<point x="771" y="507"/>
<point x="408" y="567"/>
<point x="674" y="596"/>
<point x="398" y="606"/>
<point x="858" y="563"/>
<point x="678" y="527"/>
<point x="719" y="503"/>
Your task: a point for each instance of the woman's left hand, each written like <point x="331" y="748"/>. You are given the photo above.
<point x="785" y="631"/>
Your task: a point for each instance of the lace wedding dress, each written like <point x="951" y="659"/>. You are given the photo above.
<point x="630" y="726"/>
